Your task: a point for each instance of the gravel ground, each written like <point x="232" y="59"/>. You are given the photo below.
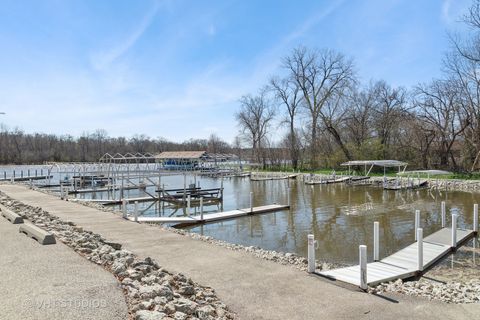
<point x="151" y="291"/>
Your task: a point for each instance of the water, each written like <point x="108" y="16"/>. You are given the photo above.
<point x="341" y="217"/>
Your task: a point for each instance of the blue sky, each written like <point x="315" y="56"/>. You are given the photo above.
<point x="176" y="69"/>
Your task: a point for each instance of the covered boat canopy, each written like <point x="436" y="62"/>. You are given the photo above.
<point x="428" y="172"/>
<point x="379" y="163"/>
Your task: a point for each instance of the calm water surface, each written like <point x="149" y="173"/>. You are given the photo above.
<point x="341" y="217"/>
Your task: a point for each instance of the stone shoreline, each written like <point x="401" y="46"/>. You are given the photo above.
<point x="151" y="292"/>
<point x="451" y="291"/>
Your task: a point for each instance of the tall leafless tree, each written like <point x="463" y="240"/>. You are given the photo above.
<point x="320" y="75"/>
<point x="254" y="119"/>
<point x="288" y="93"/>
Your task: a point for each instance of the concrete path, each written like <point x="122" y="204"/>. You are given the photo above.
<point x="252" y="287"/>
<point x="53" y="282"/>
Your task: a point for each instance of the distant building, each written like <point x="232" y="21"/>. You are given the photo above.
<point x="181" y="160"/>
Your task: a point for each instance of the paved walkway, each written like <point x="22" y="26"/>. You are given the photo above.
<point x="53" y="282"/>
<point x="252" y="287"/>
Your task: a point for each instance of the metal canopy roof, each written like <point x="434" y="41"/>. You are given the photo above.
<point x="430" y="172"/>
<point x="380" y="163"/>
<point x="181" y="155"/>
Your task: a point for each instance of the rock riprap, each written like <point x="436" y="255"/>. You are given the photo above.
<point x="151" y="291"/>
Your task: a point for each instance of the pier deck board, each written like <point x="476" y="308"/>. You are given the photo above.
<point x="403" y="263"/>
<point x="211" y="217"/>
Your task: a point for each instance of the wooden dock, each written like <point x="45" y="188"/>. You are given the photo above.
<point x="403" y="264"/>
<point x="110" y="202"/>
<point x="401" y="185"/>
<point x="266" y="177"/>
<point x="329" y="180"/>
<point x="109" y="188"/>
<point x="26" y="178"/>
<point x="212" y="217"/>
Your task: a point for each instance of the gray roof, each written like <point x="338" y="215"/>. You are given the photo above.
<point x="380" y="163"/>
<point x="181" y="155"/>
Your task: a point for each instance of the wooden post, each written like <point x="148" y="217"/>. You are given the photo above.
<point x="475" y="217"/>
<point x="311" y="253"/>
<point x="444" y="214"/>
<point x="188" y="204"/>
<point x="420" y="249"/>
<point x="124" y="208"/>
<point x="454" y="230"/>
<point x="135" y="212"/>
<point x="417" y="221"/>
<point x="376" y="248"/>
<point x="251" y="201"/>
<point x="201" y="208"/>
<point x="362" y="252"/>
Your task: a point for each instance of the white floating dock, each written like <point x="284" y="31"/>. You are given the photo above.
<point x="403" y="264"/>
<point x="211" y="217"/>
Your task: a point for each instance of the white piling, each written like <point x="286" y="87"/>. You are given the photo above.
<point x="420" y="249"/>
<point x="444" y="214"/>
<point x="188" y="204"/>
<point x="376" y="247"/>
<point x="417" y="222"/>
<point x="251" y="202"/>
<point x="288" y="196"/>
<point x="311" y="253"/>
<point x="135" y="212"/>
<point x="124" y="208"/>
<point x="362" y="253"/>
<point x="454" y="230"/>
<point x="475" y="217"/>
<point x="201" y="208"/>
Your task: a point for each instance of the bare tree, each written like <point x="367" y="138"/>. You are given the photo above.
<point x="320" y="75"/>
<point x="359" y="120"/>
<point x="440" y="108"/>
<point x="254" y="118"/>
<point x="389" y="109"/>
<point x="288" y="93"/>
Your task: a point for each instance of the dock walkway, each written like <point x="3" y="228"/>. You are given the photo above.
<point x="403" y="263"/>
<point x="212" y="217"/>
<point x="254" y="288"/>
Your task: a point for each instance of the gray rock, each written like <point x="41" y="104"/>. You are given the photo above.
<point x="149" y="315"/>
<point x="185" y="305"/>
<point x="205" y="312"/>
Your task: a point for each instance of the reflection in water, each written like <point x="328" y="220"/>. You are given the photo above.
<point x="341" y="217"/>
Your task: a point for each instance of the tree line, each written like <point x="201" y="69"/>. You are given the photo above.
<point x="328" y="116"/>
<point x="18" y="147"/>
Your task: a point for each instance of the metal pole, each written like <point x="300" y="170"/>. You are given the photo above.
<point x="454" y="230"/>
<point x="420" y="249"/>
<point x="475" y="217"/>
<point x="311" y="253"/>
<point x="188" y="204"/>
<point x="251" y="201"/>
<point x="417" y="221"/>
<point x="362" y="252"/>
<point x="201" y="208"/>
<point x="444" y="213"/>
<point x="376" y="248"/>
<point x="136" y="211"/>
<point x="124" y="208"/>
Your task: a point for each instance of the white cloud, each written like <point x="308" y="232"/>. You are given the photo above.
<point x="453" y="10"/>
<point x="102" y="59"/>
